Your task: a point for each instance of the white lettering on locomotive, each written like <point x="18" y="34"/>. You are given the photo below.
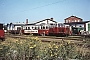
<point x="30" y="31"/>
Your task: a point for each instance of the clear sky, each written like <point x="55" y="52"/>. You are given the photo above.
<point x="36" y="10"/>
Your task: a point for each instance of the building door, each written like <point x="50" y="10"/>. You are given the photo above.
<point x="88" y="27"/>
<point x="74" y="30"/>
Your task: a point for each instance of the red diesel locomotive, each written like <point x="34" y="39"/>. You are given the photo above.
<point x="57" y="29"/>
<point x="1" y="32"/>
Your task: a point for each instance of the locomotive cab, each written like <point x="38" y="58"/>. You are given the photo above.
<point x="58" y="29"/>
<point x="2" y="32"/>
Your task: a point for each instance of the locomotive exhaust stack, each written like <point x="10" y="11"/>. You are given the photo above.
<point x="26" y="21"/>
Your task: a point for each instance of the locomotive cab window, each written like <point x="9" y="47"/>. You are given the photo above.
<point x="26" y="28"/>
<point x="1" y="26"/>
<point x="43" y="27"/>
<point x="46" y="27"/>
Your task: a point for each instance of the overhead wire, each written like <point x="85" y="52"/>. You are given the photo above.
<point x="44" y="5"/>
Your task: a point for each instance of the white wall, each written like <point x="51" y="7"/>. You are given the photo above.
<point x="38" y="24"/>
<point x="15" y="28"/>
<point x="45" y="22"/>
<point x="24" y="27"/>
<point x="78" y="25"/>
<point x="73" y="25"/>
<point x="8" y="27"/>
<point x="86" y="26"/>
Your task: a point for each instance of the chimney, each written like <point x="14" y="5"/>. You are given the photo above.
<point x="51" y="18"/>
<point x="47" y="21"/>
<point x="26" y="21"/>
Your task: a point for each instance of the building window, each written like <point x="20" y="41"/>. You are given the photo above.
<point x="32" y="27"/>
<point x="28" y="28"/>
<point x="35" y="27"/>
<point x="66" y="21"/>
<point x="80" y="26"/>
<point x="18" y="28"/>
<point x="73" y="21"/>
<point x="38" y="27"/>
<point x="78" y="20"/>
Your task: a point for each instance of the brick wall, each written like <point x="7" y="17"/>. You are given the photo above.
<point x="72" y="19"/>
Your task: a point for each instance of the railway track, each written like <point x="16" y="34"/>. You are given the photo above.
<point x="47" y="38"/>
<point x="51" y="37"/>
<point x="72" y="37"/>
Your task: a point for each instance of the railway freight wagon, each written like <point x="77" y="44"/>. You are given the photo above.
<point x="2" y="37"/>
<point x="52" y="29"/>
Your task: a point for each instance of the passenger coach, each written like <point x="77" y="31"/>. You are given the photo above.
<point x="57" y="29"/>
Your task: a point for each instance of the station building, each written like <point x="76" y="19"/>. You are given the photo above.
<point x="77" y="24"/>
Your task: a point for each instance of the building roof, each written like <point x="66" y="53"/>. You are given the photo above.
<point x="31" y="25"/>
<point x="73" y="16"/>
<point x="18" y="24"/>
<point x="41" y="21"/>
<point x="44" y="20"/>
